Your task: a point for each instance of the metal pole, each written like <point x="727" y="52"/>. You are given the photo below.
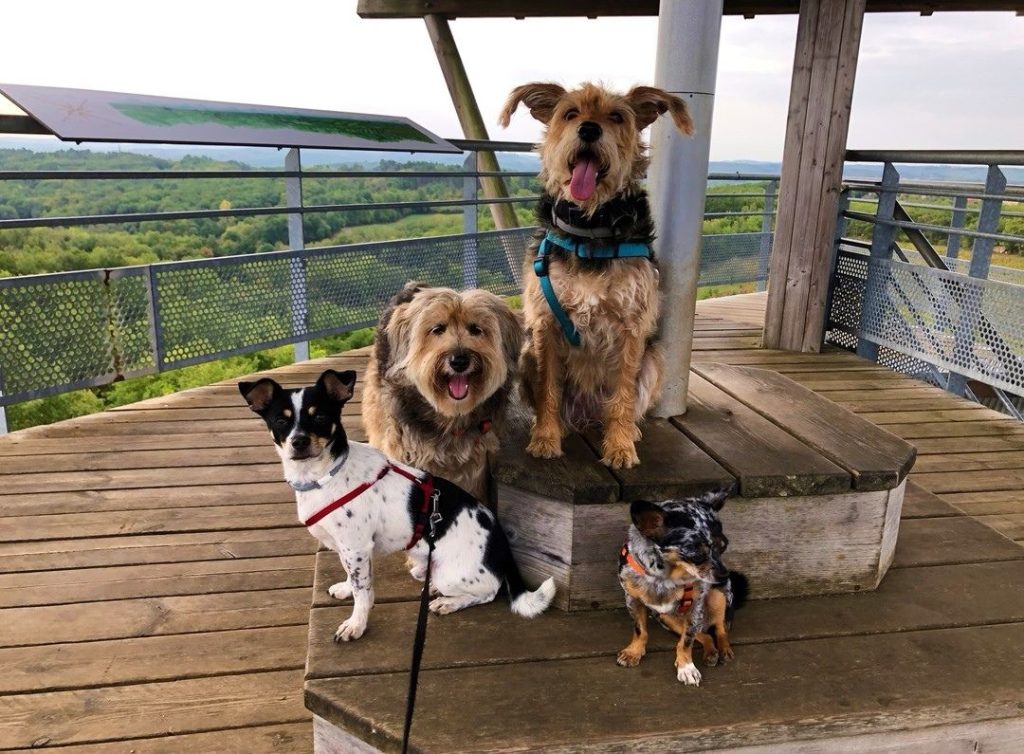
<point x="882" y="238"/>
<point x="765" y="252"/>
<point x="959" y="216"/>
<point x="469" y="223"/>
<point x="686" y="65"/>
<point x="981" y="261"/>
<point x="296" y="240"/>
<point x="3" y="409"/>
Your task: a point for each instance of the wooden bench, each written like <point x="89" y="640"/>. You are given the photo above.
<point x="819" y="491"/>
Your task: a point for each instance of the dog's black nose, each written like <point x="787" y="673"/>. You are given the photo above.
<point x="459" y="361"/>
<point x="589" y="131"/>
<point x="300" y="442"/>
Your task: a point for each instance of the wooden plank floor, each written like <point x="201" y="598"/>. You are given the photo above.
<point x="155" y="590"/>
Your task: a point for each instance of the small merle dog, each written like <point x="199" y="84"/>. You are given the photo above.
<point x="361" y="505"/>
<point x="671" y="564"/>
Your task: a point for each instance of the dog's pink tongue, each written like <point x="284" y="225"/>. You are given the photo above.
<point x="584" y="179"/>
<point x="458" y="386"/>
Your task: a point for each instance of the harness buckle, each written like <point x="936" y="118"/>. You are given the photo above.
<point x="540" y="265"/>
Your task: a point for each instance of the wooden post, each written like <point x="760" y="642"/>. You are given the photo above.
<point x="469" y="116"/>
<point x="827" y="43"/>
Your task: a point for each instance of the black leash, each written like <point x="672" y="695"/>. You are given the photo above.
<point x="421" y="630"/>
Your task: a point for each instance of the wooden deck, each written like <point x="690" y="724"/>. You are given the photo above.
<point x="155" y="588"/>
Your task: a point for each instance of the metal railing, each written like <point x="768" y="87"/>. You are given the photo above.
<point x="900" y="299"/>
<point x="69" y="330"/>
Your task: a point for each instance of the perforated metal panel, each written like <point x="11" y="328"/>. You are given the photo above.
<point x="935" y="319"/>
<point x="72" y="329"/>
<point x="734" y="258"/>
<point x="69" y="330"/>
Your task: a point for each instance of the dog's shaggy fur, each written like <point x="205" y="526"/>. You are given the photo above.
<point x="592" y="159"/>
<point x="438" y="381"/>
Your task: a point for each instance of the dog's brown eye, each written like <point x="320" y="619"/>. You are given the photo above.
<point x="616" y="117"/>
<point x="438" y="330"/>
<point x="572" y="114"/>
<point x="474" y="330"/>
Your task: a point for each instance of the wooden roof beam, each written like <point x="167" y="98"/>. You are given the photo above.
<point x="594" y="8"/>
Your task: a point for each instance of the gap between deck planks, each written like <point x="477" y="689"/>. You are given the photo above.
<point x="174" y="553"/>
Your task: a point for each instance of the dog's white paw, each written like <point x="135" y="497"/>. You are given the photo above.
<point x="350" y="630"/>
<point x="621" y="458"/>
<point x="688" y="674"/>
<point x="340" y="591"/>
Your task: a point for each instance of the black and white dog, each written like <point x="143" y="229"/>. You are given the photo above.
<point x="359" y="503"/>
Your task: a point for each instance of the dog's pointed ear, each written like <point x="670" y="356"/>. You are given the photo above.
<point x="340" y="386"/>
<point x="540" y="97"/>
<point x="259" y="394"/>
<point x="648" y="102"/>
<point x="648" y="518"/>
<point x="715" y="499"/>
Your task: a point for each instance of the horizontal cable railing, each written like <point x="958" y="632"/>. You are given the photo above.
<point x="904" y="294"/>
<point x="68" y="330"/>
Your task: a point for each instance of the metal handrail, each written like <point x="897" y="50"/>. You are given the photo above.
<point x="127" y="315"/>
<point x="938" y="156"/>
<point x="944" y="319"/>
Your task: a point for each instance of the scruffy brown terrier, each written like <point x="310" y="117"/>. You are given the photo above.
<point x="438" y="381"/>
<point x="591" y="284"/>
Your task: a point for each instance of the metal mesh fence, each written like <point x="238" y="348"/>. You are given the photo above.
<point x="735" y="258"/>
<point x="927" y="319"/>
<point x="69" y="330"/>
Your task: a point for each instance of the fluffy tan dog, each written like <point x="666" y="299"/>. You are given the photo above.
<point x="596" y="360"/>
<point x="438" y="381"/>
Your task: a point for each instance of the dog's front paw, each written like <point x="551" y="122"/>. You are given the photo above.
<point x="688" y="674"/>
<point x="340" y="591"/>
<point x="545" y="447"/>
<point x="728" y="654"/>
<point x="629" y="657"/>
<point x="350" y="630"/>
<point x="620" y="458"/>
<point x="711" y="659"/>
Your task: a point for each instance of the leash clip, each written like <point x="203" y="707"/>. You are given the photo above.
<point x="435" y="516"/>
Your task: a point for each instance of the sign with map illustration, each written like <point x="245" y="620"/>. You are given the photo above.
<point x="86" y="115"/>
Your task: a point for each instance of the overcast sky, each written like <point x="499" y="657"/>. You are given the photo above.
<point x="940" y="82"/>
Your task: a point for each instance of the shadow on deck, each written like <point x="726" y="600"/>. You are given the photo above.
<point x="155" y="590"/>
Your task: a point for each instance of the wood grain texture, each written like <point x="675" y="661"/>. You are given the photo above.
<point x="877" y="459"/>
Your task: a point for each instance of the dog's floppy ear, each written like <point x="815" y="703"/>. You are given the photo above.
<point x="539" y="96"/>
<point x="648" y="518"/>
<point x="340" y="386"/>
<point x="384" y="340"/>
<point x="648" y="102"/>
<point x="259" y="394"/>
<point x="510" y="329"/>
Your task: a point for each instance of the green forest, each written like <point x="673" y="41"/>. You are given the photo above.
<point x="27" y="251"/>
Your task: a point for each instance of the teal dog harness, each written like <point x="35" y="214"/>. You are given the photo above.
<point x="583" y="250"/>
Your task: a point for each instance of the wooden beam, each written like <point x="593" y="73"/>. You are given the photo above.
<point x="472" y="122"/>
<point x="596" y="8"/>
<point x="827" y="44"/>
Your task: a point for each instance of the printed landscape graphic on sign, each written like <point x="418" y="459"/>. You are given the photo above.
<point x="85" y="115"/>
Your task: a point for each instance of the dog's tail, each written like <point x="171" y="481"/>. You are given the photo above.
<point x="739" y="587"/>
<point x="526" y="603"/>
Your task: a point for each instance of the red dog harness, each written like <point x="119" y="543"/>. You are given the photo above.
<point x="687" y="600"/>
<point x="426" y="485"/>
